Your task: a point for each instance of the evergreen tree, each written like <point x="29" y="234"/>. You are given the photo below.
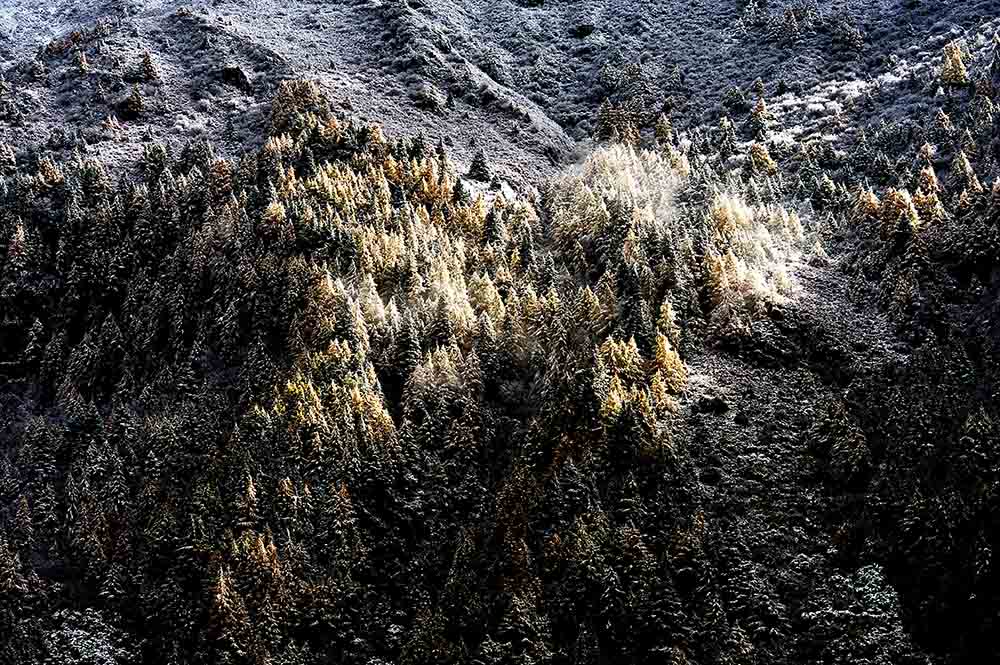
<point x="148" y="69"/>
<point x="953" y="71"/>
<point x="669" y="365"/>
<point x="727" y="138"/>
<point x="664" y="130"/>
<point x="133" y="106"/>
<point x="480" y="169"/>
<point x="760" y="120"/>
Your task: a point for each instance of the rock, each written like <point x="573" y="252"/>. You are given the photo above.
<point x="710" y="476"/>
<point x="235" y="76"/>
<point x="742" y="418"/>
<point x="426" y="96"/>
<point x="715" y="404"/>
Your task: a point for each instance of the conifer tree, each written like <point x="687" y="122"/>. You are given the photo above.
<point x="953" y="71"/>
<point x="666" y="323"/>
<point x="24" y="531"/>
<point x="963" y="176"/>
<point x="664" y="131"/>
<point x="229" y="617"/>
<point x="480" y="169"/>
<point x="761" y="120"/>
<point x="736" y="100"/>
<point x="8" y="160"/>
<point x="12" y="582"/>
<point x="669" y="365"/>
<point x="789" y="28"/>
<point x="134" y="105"/>
<point x="617" y="124"/>
<point x="900" y="219"/>
<point x="881" y="168"/>
<point x="81" y="62"/>
<point x="148" y="69"/>
<point x="759" y="161"/>
<point x="727" y="138"/>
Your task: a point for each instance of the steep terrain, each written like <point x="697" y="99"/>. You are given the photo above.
<point x="464" y="331"/>
<point x="523" y="80"/>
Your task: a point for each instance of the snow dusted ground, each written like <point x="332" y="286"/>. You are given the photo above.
<point x="522" y="81"/>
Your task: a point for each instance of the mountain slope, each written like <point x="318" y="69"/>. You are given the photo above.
<point x="440" y="331"/>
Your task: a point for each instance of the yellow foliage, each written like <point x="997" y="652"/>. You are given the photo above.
<point x="898" y="211"/>
<point x="928" y="205"/>
<point x="761" y="161"/>
<point x="622" y="359"/>
<point x="668" y="364"/>
<point x="667" y="323"/>
<point x="275" y="214"/>
<point x="953" y="70"/>
<point x="663" y="401"/>
<point x="615" y="400"/>
<point x="927" y="180"/>
<point x="729" y="215"/>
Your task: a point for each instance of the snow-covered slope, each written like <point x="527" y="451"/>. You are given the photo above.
<point x="522" y="79"/>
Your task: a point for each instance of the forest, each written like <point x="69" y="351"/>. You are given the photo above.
<point x="335" y="400"/>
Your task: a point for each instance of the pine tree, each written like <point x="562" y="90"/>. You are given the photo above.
<point x="8" y="160"/>
<point x="926" y="198"/>
<point x="133" y="106"/>
<point x="994" y="73"/>
<point x="229" y="616"/>
<point x="963" y="176"/>
<point x="12" y="582"/>
<point x="634" y="319"/>
<point x="761" y="120"/>
<point x="664" y="131"/>
<point x="953" y="71"/>
<point x="480" y="169"/>
<point x="727" y="138"/>
<point x="34" y="350"/>
<point x="148" y="69"/>
<point x="983" y="111"/>
<point x="881" y="168"/>
<point x="24" y="531"/>
<point x="668" y="363"/>
<point x="666" y="323"/>
<point x="736" y="100"/>
<point x="675" y="79"/>
<point x="759" y="161"/>
<point x="616" y="124"/>
<point x="789" y="28"/>
<point x="900" y="218"/>
<point x="81" y="62"/>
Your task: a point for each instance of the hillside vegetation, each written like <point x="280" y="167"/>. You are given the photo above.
<point x="716" y="393"/>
